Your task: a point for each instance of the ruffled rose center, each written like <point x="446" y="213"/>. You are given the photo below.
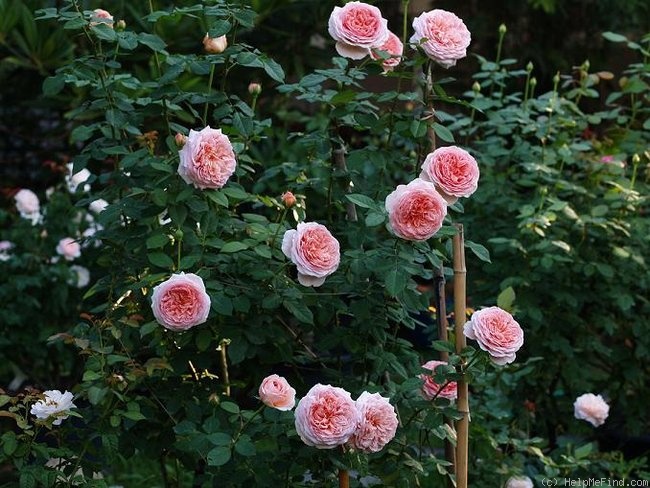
<point x="210" y="155"/>
<point x="419" y="211"/>
<point x="442" y="31"/>
<point x="318" y="248"/>
<point x="180" y="303"/>
<point x="360" y="22"/>
<point x="328" y="415"/>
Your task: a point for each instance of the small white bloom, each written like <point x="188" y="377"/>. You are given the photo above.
<point x="519" y="482"/>
<point x="28" y="205"/>
<point x="5" y="247"/>
<point x="76" y="179"/>
<point x="55" y="404"/>
<point x="81" y="276"/>
<point x="98" y="206"/>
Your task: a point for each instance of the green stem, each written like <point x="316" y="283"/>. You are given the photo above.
<point x="391" y="125"/>
<point x="207" y="101"/>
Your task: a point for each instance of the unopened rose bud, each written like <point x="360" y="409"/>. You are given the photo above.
<point x="476" y="87"/>
<point x="180" y="139"/>
<point x="503" y="29"/>
<point x="585" y="66"/>
<point x="622" y="81"/>
<point x="636" y="159"/>
<point x="529" y="66"/>
<point x="288" y="199"/>
<point x="120" y="25"/>
<point x="178" y="235"/>
<point x="533" y="81"/>
<point x="556" y="78"/>
<point x="215" y="45"/>
<point x="254" y="89"/>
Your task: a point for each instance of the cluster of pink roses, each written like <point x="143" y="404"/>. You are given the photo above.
<point x="327" y="416"/>
<point x="360" y="30"/>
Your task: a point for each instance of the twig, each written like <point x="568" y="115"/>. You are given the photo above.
<point x="339" y="163"/>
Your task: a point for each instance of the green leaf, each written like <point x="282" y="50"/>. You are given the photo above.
<point x="245" y="447"/>
<point x="480" y="251"/>
<point x="396" y="280"/>
<point x="217" y="197"/>
<point x="375" y="218"/>
<point x="361" y="200"/>
<point x="300" y="311"/>
<point x="506" y="299"/>
<point x="442" y="132"/>
<point x="274" y="70"/>
<point x="133" y="415"/>
<point x="53" y="85"/>
<point x="220" y="439"/>
<point x="9" y="443"/>
<point x="157" y="241"/>
<point x="219" y="28"/>
<point x="229" y="407"/>
<point x="443" y="346"/>
<point x="613" y="37"/>
<point x="218" y="456"/>
<point x="82" y="133"/>
<point x="161" y="260"/>
<point x="152" y="41"/>
<point x="233" y="247"/>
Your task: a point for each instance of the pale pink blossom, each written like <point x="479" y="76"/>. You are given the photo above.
<point x="592" y="408"/>
<point x="215" y="45"/>
<point x="181" y="302"/>
<point x="207" y="159"/>
<point x="326" y="417"/>
<point x="101" y="16"/>
<point x="357" y="27"/>
<point x="443" y="36"/>
<point x="54" y="404"/>
<point x="74" y="180"/>
<point x="314" y="251"/>
<point x="497" y="333"/>
<point x="5" y="248"/>
<point x="68" y="248"/>
<point x="377" y="423"/>
<point x="98" y="206"/>
<point x="276" y="392"/>
<point x="393" y="46"/>
<point x="519" y="482"/>
<point x="28" y="205"/>
<point x="431" y="389"/>
<point x="416" y="211"/>
<point x="453" y="170"/>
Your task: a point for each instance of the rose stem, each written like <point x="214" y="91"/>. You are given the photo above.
<point x="339" y="162"/>
<point x="344" y="478"/>
<point x="224" y="365"/>
<point x="462" y="425"/>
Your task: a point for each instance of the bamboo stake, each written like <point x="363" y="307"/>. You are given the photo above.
<point x="441" y="320"/>
<point x="460" y="305"/>
<point x="344" y="478"/>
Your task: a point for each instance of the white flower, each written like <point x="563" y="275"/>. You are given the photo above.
<point x="519" y="482"/>
<point x="76" y="179"/>
<point x="81" y="276"/>
<point x="55" y="404"/>
<point x="5" y="247"/>
<point x="98" y="206"/>
<point x="28" y="205"/>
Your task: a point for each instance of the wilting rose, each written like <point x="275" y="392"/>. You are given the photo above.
<point x="377" y="423"/>
<point x="442" y="36"/>
<point x="326" y="417"/>
<point x="392" y="46"/>
<point x="592" y="408"/>
<point x="453" y="170"/>
<point x="101" y="16"/>
<point x="497" y="333"/>
<point x="68" y="248"/>
<point x="519" y="482"/>
<point x="431" y="389"/>
<point x="276" y="392"/>
<point x="181" y="302"/>
<point x="357" y="27"/>
<point x="207" y="159"/>
<point x="215" y="45"/>
<point x="54" y="404"/>
<point x="28" y="205"/>
<point x="314" y="251"/>
<point x="416" y="211"/>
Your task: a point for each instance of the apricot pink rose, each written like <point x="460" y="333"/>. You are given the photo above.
<point x="497" y="333"/>
<point x="453" y="170"/>
<point x="276" y="392"/>
<point x="442" y="36"/>
<point x="314" y="251"/>
<point x="416" y="211"/>
<point x="394" y="47"/>
<point x="357" y="27"/>
<point x="592" y="408"/>
<point x="181" y="302"/>
<point x="431" y="389"/>
<point x="207" y="159"/>
<point x="326" y="417"/>
<point x="377" y="423"/>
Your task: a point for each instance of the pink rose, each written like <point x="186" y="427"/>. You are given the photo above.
<point x="28" y="205"/>
<point x="416" y="211"/>
<point x="496" y="332"/>
<point x="326" y="417"/>
<point x="453" y="170"/>
<point x="181" y="302"/>
<point x="377" y="423"/>
<point x="356" y="27"/>
<point x="5" y="248"/>
<point x="442" y="36"/>
<point x="276" y="392"/>
<point x="68" y="248"/>
<point x="289" y="199"/>
<point x="591" y="408"/>
<point x="207" y="159"/>
<point x="431" y="389"/>
<point x="392" y="46"/>
<point x="215" y="45"/>
<point x="101" y="16"/>
<point x="314" y="251"/>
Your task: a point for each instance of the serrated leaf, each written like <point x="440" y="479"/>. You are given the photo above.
<point x="442" y="132"/>
<point x="443" y="346"/>
<point x="161" y="260"/>
<point x="218" y="456"/>
<point x="300" y="311"/>
<point x="235" y="246"/>
<point x="220" y="439"/>
<point x="152" y="41"/>
<point x="53" y="85"/>
<point x="274" y="70"/>
<point x="361" y="200"/>
<point x="506" y="299"/>
<point x="229" y="407"/>
<point x="395" y="280"/>
<point x="480" y="251"/>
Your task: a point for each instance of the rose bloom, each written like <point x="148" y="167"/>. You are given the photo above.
<point x="416" y="211"/>
<point x="215" y="45"/>
<point x="442" y="36"/>
<point x="519" y="482"/>
<point x="98" y="206"/>
<point x="207" y="159"/>
<point x="55" y="404"/>
<point x="314" y="251"/>
<point x="28" y="205"/>
<point x="453" y="170"/>
<point x="326" y="417"/>
<point x="73" y="180"/>
<point x="80" y="276"/>
<point x="5" y="248"/>
<point x="276" y="392"/>
<point x="392" y="46"/>
<point x="101" y="16"/>
<point x="68" y="248"/>
<point x="496" y="332"/>
<point x="591" y="408"/>
<point x="377" y="423"/>
<point x="356" y="27"/>
<point x="181" y="302"/>
<point x="431" y="389"/>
